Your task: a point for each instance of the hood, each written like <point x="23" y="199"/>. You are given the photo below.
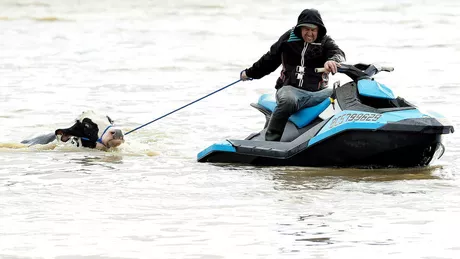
<point x="311" y="16"/>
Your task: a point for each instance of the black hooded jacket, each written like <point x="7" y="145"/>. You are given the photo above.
<point x="288" y="52"/>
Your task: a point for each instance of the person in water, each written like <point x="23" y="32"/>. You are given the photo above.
<point x="300" y="50"/>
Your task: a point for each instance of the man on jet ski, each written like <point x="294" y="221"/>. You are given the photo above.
<point x="300" y="50"/>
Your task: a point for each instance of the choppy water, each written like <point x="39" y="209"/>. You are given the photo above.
<point x="137" y="60"/>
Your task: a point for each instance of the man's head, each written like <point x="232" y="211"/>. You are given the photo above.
<point x="309" y="32"/>
<point x="92" y="131"/>
<point x="310" y="26"/>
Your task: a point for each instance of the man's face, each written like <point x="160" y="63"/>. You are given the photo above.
<point x="309" y="35"/>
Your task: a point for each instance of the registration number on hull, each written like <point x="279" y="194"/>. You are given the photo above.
<point x="354" y="117"/>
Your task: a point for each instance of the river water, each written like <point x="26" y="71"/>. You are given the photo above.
<point x="137" y="60"/>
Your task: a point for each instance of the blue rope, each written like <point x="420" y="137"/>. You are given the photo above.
<point x="182" y="107"/>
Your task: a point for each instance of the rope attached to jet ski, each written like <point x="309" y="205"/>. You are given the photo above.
<point x="180" y="108"/>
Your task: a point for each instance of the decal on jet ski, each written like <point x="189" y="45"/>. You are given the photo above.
<point x="353" y="117"/>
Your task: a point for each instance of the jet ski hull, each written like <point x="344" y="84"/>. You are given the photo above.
<point x="347" y="149"/>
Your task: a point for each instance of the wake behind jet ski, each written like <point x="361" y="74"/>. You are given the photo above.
<point x="370" y="127"/>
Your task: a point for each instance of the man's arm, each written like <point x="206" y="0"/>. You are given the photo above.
<point x="332" y="50"/>
<point x="269" y="62"/>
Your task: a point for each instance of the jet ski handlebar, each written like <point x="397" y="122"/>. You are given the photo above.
<point x="320" y="70"/>
<point x="387" y="69"/>
<point x="358" y="70"/>
<point x="357" y="66"/>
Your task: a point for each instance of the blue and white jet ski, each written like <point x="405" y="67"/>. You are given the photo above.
<point x="370" y="127"/>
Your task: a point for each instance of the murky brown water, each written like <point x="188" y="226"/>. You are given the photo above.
<point x="137" y="60"/>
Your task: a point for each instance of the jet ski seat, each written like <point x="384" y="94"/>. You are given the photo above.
<point x="301" y="118"/>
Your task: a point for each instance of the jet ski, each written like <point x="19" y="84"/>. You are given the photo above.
<point x="363" y="124"/>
